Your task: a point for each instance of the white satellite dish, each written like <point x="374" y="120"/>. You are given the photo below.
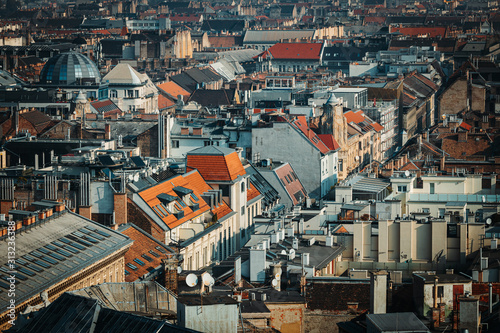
<point x="275" y="282"/>
<point x="136" y="177"/>
<point x="179" y="269"/>
<point x="211" y="282"/>
<point x="130" y="177"/>
<point x="207" y="279"/>
<point x="488" y="221"/>
<point x="191" y="280"/>
<point x="407" y="173"/>
<point x="283" y="252"/>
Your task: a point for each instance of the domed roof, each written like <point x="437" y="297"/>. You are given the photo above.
<point x="70" y="68"/>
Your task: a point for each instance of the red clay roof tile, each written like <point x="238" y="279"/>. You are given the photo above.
<point x="216" y="167"/>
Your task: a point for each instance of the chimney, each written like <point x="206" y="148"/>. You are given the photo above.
<point x="257" y="265"/>
<point x="107" y="132"/>
<point x="305" y="259"/>
<point x="198" y="131"/>
<point x="378" y="292"/>
<point x="171" y="276"/>
<point x="329" y="241"/>
<point x="494" y="244"/>
<point x="469" y="314"/>
<point x="442" y="163"/>
<point x="184" y="130"/>
<point x="120" y="208"/>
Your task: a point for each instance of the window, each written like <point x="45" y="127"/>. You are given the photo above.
<point x="243" y="186"/>
<point x="242" y="210"/>
<point x="140" y="262"/>
<point x="132" y="267"/>
<point x="401" y="188"/>
<point x="148" y="258"/>
<point x="440" y="291"/>
<point x="432" y="188"/>
<point x="175" y="143"/>
<point x="206" y="143"/>
<point x="113" y="94"/>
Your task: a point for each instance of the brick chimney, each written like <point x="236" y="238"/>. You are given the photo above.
<point x="120" y="208"/>
<point x="184" y="130"/>
<point x="107" y="132"/>
<point x="198" y="131"/>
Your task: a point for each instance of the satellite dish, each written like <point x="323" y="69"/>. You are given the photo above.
<point x="136" y="177"/>
<point x="130" y="177"/>
<point x="191" y="280"/>
<point x="283" y="252"/>
<point x="407" y="173"/>
<point x="275" y="282"/>
<point x="277" y="276"/>
<point x="488" y="221"/>
<point x="207" y="279"/>
<point x="292" y="251"/>
<point x="211" y="282"/>
<point x="179" y="269"/>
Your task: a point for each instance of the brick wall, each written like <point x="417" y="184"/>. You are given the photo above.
<point x="454" y="99"/>
<point x="120" y="208"/>
<point x="140" y="219"/>
<point x="148" y="142"/>
<point x="335" y="296"/>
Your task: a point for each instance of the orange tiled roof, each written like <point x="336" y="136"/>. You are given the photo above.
<point x="173" y="89"/>
<point x="164" y="102"/>
<point x="301" y="124"/>
<point x="216" y="167"/>
<point x="329" y="141"/>
<point x="221" y="211"/>
<point x="252" y="192"/>
<point x="354" y="117"/>
<point x="192" y="181"/>
<point x="362" y="121"/>
<point x="421" y="31"/>
<point x="141" y="246"/>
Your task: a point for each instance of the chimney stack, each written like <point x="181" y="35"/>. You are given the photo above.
<point x="378" y="292"/>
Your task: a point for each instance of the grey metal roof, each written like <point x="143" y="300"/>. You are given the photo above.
<point x="60" y="247"/>
<point x="353" y="207"/>
<point x="397" y="322"/>
<point x="366" y="184"/>
<point x="273" y="36"/>
<point x="211" y="150"/>
<point x="72" y="313"/>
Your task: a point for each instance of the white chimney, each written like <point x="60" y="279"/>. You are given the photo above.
<point x="295" y="244"/>
<point x="289" y="232"/>
<point x="274" y="238"/>
<point x="329" y="241"/>
<point x="301" y="226"/>
<point x="494" y="244"/>
<point x="305" y="259"/>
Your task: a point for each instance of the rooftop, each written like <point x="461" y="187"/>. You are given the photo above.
<point x="60" y="247"/>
